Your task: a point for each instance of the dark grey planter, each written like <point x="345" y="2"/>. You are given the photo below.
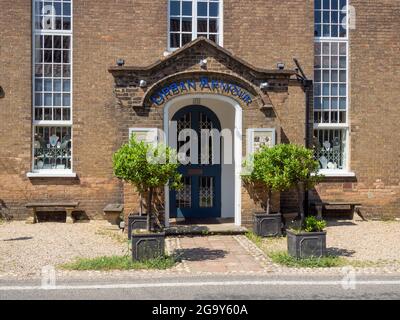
<point x="147" y="245"/>
<point x="267" y="225"/>
<point x="136" y="222"/>
<point x="306" y="244"/>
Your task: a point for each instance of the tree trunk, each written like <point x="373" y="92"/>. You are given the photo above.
<point x="300" y="203"/>
<point x="269" y="201"/>
<point x="141" y="205"/>
<point x="149" y="208"/>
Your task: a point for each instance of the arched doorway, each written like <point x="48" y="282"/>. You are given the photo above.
<point x="201" y="166"/>
<point x="229" y="114"/>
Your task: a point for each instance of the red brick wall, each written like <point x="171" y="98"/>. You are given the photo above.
<point x="262" y="32"/>
<point x="374" y="111"/>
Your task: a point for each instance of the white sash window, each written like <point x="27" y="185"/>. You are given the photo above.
<point x="189" y="19"/>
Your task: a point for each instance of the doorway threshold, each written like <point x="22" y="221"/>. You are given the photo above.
<point x="204" y="227"/>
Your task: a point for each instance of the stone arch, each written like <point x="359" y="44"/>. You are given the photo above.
<point x="255" y="94"/>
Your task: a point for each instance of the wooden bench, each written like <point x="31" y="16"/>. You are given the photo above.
<point x="68" y="206"/>
<point x="354" y="207"/>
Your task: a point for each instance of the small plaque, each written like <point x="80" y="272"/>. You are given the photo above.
<point x="195" y="172"/>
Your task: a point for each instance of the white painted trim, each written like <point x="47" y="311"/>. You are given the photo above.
<point x="330" y="126"/>
<point x="237" y="144"/>
<point x="336" y="173"/>
<point x="51" y="174"/>
<point x="49" y="123"/>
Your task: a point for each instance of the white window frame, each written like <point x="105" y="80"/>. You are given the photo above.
<point x="250" y="137"/>
<point x="39" y="173"/>
<point x="194" y="24"/>
<point x="345" y="172"/>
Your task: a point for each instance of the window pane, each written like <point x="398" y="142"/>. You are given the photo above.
<point x="66" y="9"/>
<point x="213" y="38"/>
<point x="52" y="147"/>
<point x="202" y="9"/>
<point x="48" y="86"/>
<point x="66" y="42"/>
<point x="186" y="24"/>
<point x="330" y="147"/>
<point x="66" y="85"/>
<point x="66" y="99"/>
<point x="174" y="40"/>
<point x="186" y="38"/>
<point x="66" y="23"/>
<point x="214" y="9"/>
<point x="57" y="85"/>
<point x="187" y="8"/>
<point x="202" y="25"/>
<point x="213" y="26"/>
<point x="175" y="8"/>
<point x="175" y="24"/>
<point x="57" y="100"/>
<point x="38" y="70"/>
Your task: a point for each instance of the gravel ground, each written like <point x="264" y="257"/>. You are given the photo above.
<point x="372" y="241"/>
<point x="26" y="248"/>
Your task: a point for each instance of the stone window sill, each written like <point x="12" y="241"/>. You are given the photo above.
<point x="337" y="173"/>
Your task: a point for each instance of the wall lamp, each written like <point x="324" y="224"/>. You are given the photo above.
<point x="280" y="65"/>
<point x="264" y="85"/>
<point x="120" y="62"/>
<point x="203" y="63"/>
<point x="2" y="93"/>
<point x="142" y="83"/>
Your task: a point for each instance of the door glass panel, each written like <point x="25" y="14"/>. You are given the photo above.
<point x="185" y="122"/>
<point x="206" y="192"/>
<point x="184" y="195"/>
<point x="206" y="152"/>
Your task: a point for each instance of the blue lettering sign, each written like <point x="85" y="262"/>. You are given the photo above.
<point x="191" y="85"/>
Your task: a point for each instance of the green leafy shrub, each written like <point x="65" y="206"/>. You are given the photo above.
<point x="284" y="167"/>
<point x="147" y="167"/>
<point x="312" y="224"/>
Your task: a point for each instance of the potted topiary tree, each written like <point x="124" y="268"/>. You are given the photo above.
<point x="147" y="168"/>
<point x="309" y="241"/>
<point x="280" y="168"/>
<point x="264" y="169"/>
<point x="298" y="169"/>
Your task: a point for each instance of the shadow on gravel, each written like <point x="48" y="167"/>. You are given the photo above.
<point x="19" y="239"/>
<point x="200" y="254"/>
<point x="332" y="251"/>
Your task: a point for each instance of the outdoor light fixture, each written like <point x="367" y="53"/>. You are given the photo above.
<point x="280" y="65"/>
<point x="203" y="63"/>
<point x="264" y="85"/>
<point x="142" y="83"/>
<point x="120" y="62"/>
<point x="2" y="93"/>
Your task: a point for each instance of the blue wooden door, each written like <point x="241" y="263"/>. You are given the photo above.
<point x="201" y="194"/>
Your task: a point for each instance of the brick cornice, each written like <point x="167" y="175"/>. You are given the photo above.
<point x="204" y="44"/>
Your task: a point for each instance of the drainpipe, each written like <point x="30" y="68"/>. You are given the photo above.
<point x="308" y="90"/>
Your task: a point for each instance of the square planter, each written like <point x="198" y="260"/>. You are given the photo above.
<point x="147" y="245"/>
<point x="267" y="225"/>
<point x="136" y="222"/>
<point x="306" y="244"/>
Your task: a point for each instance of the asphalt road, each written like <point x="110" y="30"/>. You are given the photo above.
<point x="209" y="288"/>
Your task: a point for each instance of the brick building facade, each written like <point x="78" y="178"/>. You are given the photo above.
<point x="90" y="105"/>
